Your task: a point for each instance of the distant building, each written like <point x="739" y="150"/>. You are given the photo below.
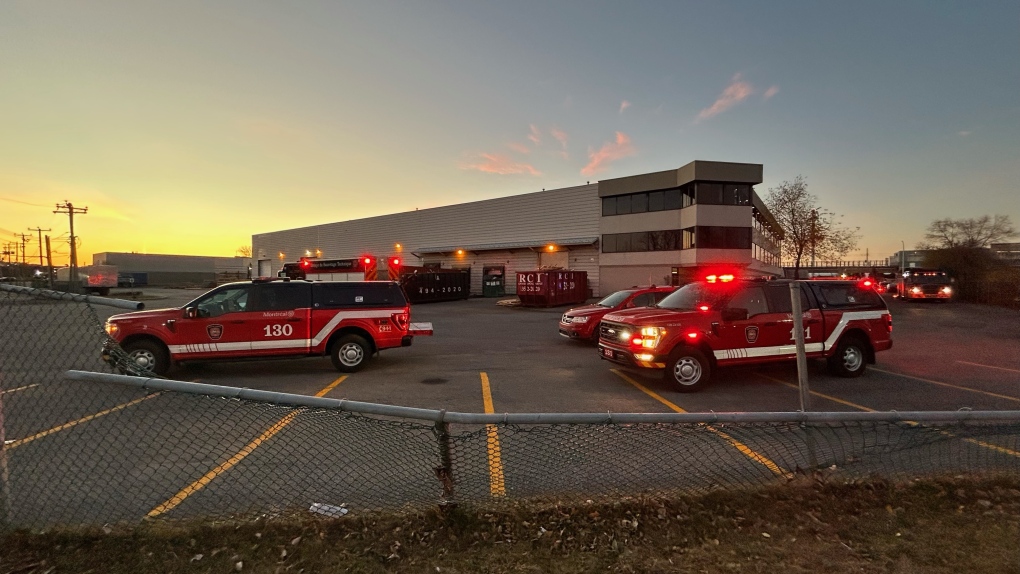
<point x="1009" y="252"/>
<point x="176" y="270"/>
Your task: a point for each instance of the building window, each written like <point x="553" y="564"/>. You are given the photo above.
<point x="708" y="193"/>
<point x="608" y="206"/>
<point x="656" y="200"/>
<point x="713" y="237"/>
<point x="704" y="237"/>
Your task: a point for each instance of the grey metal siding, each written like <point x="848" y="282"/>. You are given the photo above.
<point x="544" y="216"/>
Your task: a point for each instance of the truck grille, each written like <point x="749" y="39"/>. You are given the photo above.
<point x="611" y="331"/>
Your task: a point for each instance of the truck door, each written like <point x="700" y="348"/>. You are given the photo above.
<point x="220" y="328"/>
<point x="755" y="335"/>
<point x="814" y="333"/>
<point x="280" y="322"/>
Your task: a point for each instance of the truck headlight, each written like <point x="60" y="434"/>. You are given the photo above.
<point x="947" y="290"/>
<point x="915" y="290"/>
<point x="580" y="319"/>
<point x="649" y="337"/>
<point x="111" y="329"/>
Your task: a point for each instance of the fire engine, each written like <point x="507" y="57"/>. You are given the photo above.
<point x="349" y="321"/>
<point x="924" y="284"/>
<point x="724" y="321"/>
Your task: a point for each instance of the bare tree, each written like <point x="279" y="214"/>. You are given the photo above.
<point x="810" y="230"/>
<point x="970" y="233"/>
<point x="244" y="251"/>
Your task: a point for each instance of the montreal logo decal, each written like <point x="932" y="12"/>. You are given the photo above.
<point x="751" y="333"/>
<point x="215" y="331"/>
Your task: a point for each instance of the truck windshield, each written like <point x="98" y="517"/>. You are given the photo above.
<point x="614" y="299"/>
<point x="693" y="295"/>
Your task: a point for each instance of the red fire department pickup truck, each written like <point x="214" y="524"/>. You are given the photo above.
<point x="267" y="318"/>
<point x="726" y="321"/>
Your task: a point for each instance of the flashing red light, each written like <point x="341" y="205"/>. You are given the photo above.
<point x="719" y="278"/>
<point x="692" y="335"/>
<point x="395" y="261"/>
<point x="306" y="263"/>
<point x="637" y="341"/>
<point x="867" y="283"/>
<point x="368" y="261"/>
<point x="704" y="307"/>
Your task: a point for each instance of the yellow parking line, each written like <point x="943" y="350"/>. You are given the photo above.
<point x="14" y="390"/>
<point x="957" y="387"/>
<point x="743" y="448"/>
<point x="911" y="423"/>
<point x="817" y="394"/>
<point x="65" y="426"/>
<point x="497" y="484"/>
<point x="989" y="366"/>
<point x="249" y="448"/>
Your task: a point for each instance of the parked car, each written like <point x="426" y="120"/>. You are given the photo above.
<point x="583" y="322"/>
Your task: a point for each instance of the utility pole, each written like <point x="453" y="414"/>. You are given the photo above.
<point x="40" y="230"/>
<point x="70" y="210"/>
<point x="49" y="263"/>
<point x="24" y="239"/>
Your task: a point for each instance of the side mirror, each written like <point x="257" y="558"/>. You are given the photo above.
<point x="734" y="314"/>
<point x="190" y="313"/>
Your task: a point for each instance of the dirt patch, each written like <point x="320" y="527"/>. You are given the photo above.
<point x="936" y="526"/>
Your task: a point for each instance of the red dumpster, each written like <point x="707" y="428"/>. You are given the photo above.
<point x="552" y="288"/>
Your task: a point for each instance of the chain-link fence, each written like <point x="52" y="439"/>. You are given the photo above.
<point x="91" y="447"/>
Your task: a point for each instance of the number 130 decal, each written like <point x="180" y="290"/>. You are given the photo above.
<point x="279" y="330"/>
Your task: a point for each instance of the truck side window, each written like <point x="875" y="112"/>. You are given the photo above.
<point x="750" y="298"/>
<point x="779" y="299"/>
<point x="283" y="297"/>
<point x="230" y="300"/>
<point x="643" y="300"/>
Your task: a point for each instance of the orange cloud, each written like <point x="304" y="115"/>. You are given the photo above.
<point x="559" y="135"/>
<point x="624" y="105"/>
<point x="736" y="92"/>
<point x="519" y="147"/>
<point x="499" y="164"/>
<point x="610" y="152"/>
<point x="535" y="136"/>
<point x="771" y="92"/>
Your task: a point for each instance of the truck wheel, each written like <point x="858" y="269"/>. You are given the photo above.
<point x="350" y="353"/>
<point x="850" y="358"/>
<point x="688" y="369"/>
<point x="147" y="356"/>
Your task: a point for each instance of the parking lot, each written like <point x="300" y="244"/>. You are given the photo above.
<point x="944" y="357"/>
<point x="82" y="452"/>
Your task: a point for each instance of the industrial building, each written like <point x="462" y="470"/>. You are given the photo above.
<point x="653" y="228"/>
<point x="176" y="270"/>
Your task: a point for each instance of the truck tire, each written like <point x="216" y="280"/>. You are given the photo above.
<point x="688" y="369"/>
<point x="350" y="353"/>
<point x="147" y="356"/>
<point x="850" y="358"/>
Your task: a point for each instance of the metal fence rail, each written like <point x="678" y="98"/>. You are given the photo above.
<point x="86" y="446"/>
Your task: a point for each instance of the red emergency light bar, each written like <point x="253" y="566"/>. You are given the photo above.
<point x="719" y="278"/>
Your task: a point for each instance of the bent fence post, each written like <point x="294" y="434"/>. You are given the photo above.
<point x="444" y="472"/>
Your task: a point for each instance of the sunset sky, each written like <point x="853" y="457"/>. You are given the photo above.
<point x="187" y="126"/>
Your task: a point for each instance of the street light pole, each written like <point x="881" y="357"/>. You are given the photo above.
<point x="814" y="218"/>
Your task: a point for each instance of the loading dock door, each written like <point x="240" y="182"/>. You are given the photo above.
<point x="265" y="267"/>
